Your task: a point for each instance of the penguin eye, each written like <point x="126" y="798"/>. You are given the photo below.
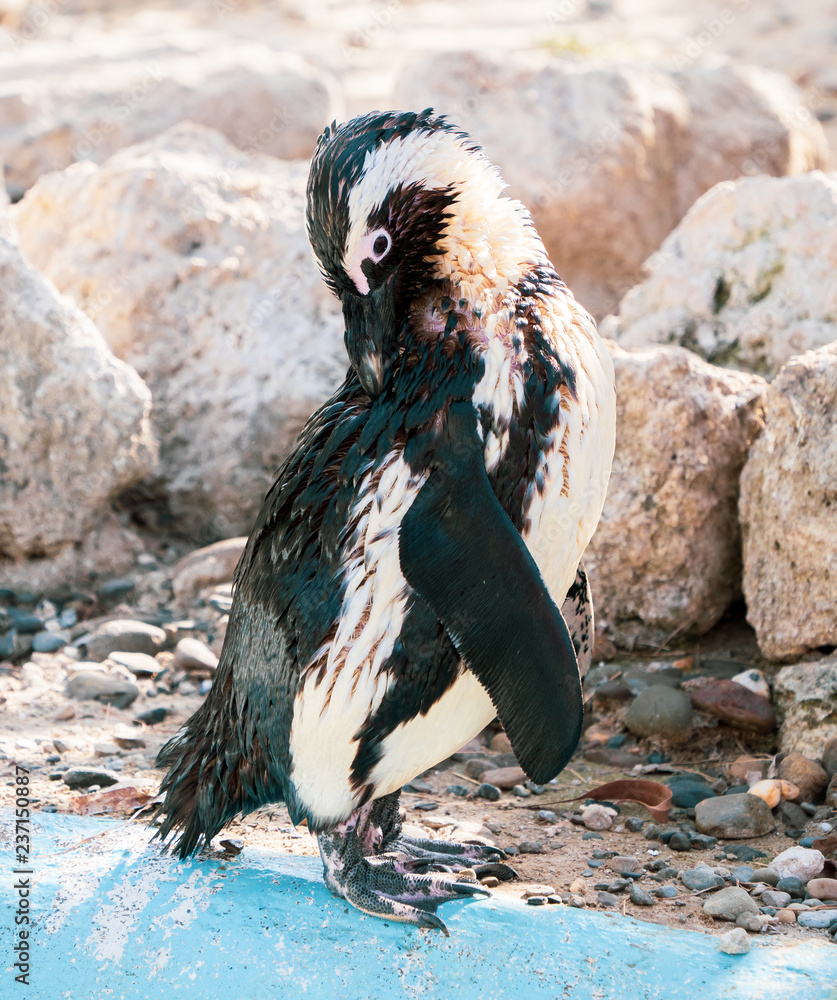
<point x="381" y="243"/>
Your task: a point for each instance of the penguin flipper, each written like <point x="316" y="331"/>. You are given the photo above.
<point x="463" y="556"/>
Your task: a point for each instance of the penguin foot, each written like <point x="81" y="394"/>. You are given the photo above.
<point x="444" y="856"/>
<point x="386" y="885"/>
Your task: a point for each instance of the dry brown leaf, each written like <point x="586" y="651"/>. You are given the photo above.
<point x="114" y="800"/>
<point x="655" y="797"/>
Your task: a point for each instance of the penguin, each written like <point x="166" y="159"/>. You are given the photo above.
<point x="415" y="570"/>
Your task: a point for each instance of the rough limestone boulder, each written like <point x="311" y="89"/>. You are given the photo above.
<point x="609" y="157"/>
<point x="666" y="554"/>
<point x="193" y="259"/>
<point x="788" y="511"/>
<point x="747" y="278"/>
<point x="74" y="431"/>
<point x="79" y="100"/>
<point x="806" y="694"/>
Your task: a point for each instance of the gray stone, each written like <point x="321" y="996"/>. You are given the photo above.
<point x="660" y="711"/>
<point x="766" y="875"/>
<point x="734" y="942"/>
<point x="729" y="904"/>
<point x="639" y="897"/>
<point x="124" y="636"/>
<point x="205" y="567"/>
<point x="792" y="815"/>
<point x="192" y="654"/>
<point x="742" y="873"/>
<point x="750" y="922"/>
<point x="140" y="664"/>
<point x="48" y="642"/>
<point x="665" y="891"/>
<point x="94" y="686"/>
<point x="742" y="815"/>
<point x="821" y="919"/>
<point x="701" y="878"/>
<point x="775" y="898"/>
<point x="84" y="777"/>
<point x="623" y="863"/>
<point x="607" y="899"/>
<point x="795" y="887"/>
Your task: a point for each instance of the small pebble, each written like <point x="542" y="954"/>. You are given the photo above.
<point x="592" y="836"/>
<point x="775" y="898"/>
<point x="742" y="873"/>
<point x="417" y="785"/>
<point x="634" y="824"/>
<point x="426" y="806"/>
<point x="766" y="875"/>
<point x="729" y="904"/>
<point x="680" y="842"/>
<point x="638" y="896"/>
<point x="535" y="901"/>
<point x="490" y="881"/>
<point x="823" y="888"/>
<point x="538" y="890"/>
<point x="233" y="845"/>
<point x="734" y="942"/>
<point x="750" y="922"/>
<point x="531" y="847"/>
<point x="700" y="879"/>
<point x="798" y="862"/>
<point x="607" y="899"/>
<point x="153" y="716"/>
<point x="521" y="791"/>
<point x="820" y="919"/>
<point x="546" y="816"/>
<point x="665" y="892"/>
<point x="786" y="916"/>
<point x="48" y="642"/>
<point x="792" y="885"/>
<point x="598" y="817"/>
<point x="85" y="777"/>
<point x="487" y="791"/>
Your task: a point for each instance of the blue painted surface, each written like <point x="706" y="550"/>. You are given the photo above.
<point x="116" y="919"/>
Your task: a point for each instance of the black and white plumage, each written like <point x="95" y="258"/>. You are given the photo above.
<point x="402" y="583"/>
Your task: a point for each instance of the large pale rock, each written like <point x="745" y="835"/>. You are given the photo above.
<point x="666" y="553"/>
<point x="74" y="426"/>
<point x="208" y="288"/>
<point x="806" y="694"/>
<point x="609" y="157"/>
<point x="747" y="278"/>
<point x="87" y="98"/>
<point x="788" y="510"/>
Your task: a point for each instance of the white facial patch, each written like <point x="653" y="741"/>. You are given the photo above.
<point x="488" y="242"/>
<point x="369" y="247"/>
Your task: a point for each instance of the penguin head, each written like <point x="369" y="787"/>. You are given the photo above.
<point x="398" y="202"/>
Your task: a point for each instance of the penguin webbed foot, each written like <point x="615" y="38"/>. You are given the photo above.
<point x="385" y="885"/>
<point x="439" y="855"/>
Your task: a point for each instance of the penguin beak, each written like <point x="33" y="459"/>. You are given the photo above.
<point x="370" y="335"/>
